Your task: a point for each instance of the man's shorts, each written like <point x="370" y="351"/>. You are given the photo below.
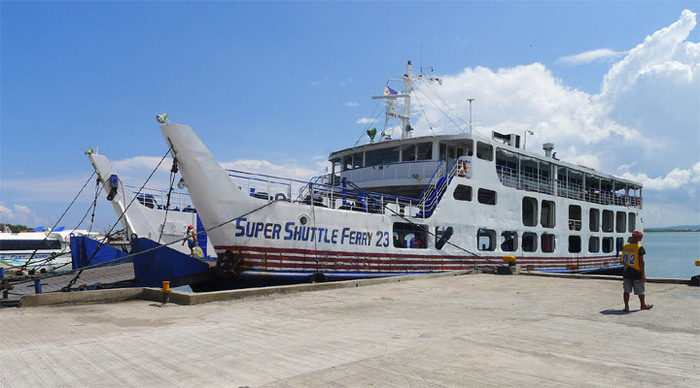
<point x="637" y="285"/>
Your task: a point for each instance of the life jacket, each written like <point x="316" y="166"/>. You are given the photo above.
<point x="630" y="255"/>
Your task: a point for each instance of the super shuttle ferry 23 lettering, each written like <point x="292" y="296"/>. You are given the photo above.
<point x="292" y="232"/>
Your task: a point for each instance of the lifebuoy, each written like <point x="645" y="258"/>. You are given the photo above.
<point x="461" y="168"/>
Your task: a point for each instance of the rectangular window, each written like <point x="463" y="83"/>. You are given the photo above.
<point x="382" y="156"/>
<point x="594" y="220"/>
<point x="407" y="235"/>
<point x="509" y="241"/>
<point x="442" y="235"/>
<point x="487" y="197"/>
<point x="608" y="244"/>
<point x="529" y="211"/>
<point x="594" y="245"/>
<point x="574" y="217"/>
<point x="408" y="153"/>
<point x="484" y="151"/>
<point x="548" y="214"/>
<point x="357" y="160"/>
<point x="424" y="151"/>
<point x="463" y="193"/>
<point x="529" y="242"/>
<point x="486" y="239"/>
<point x="548" y="242"/>
<point x="574" y="244"/>
<point x="607" y="221"/>
<point x="621" y="222"/>
<point x="632" y="223"/>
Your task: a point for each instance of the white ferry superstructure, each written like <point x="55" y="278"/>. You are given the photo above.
<point x="415" y="205"/>
<point x="39" y="250"/>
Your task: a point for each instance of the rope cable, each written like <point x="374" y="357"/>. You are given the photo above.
<point x="26" y="263"/>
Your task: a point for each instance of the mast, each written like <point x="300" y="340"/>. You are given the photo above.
<point x="391" y="99"/>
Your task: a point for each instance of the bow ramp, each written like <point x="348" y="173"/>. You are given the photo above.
<point x="215" y="196"/>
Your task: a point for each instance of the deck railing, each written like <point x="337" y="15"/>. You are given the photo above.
<point x="527" y="181"/>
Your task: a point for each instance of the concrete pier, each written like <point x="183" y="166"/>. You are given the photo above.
<point x="445" y="331"/>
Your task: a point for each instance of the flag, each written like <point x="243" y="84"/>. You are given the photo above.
<point x="436" y="79"/>
<point x="389" y="91"/>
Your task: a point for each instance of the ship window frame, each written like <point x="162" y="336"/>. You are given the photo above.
<point x="593" y="244"/>
<point x="529" y="237"/>
<point x="550" y="219"/>
<point x="594" y="220"/>
<point x="545" y="240"/>
<point x="426" y="154"/>
<point x="487" y="196"/>
<point x="382" y="156"/>
<point x="29" y="245"/>
<point x="489" y="235"/>
<point x="506" y="236"/>
<point x="620" y="222"/>
<point x="531" y="215"/>
<point x="403" y="230"/>
<point x="463" y="193"/>
<point x="608" y="221"/>
<point x="631" y="221"/>
<point x="358" y="160"/>
<point x="575" y="244"/>
<point x="408" y="150"/>
<point x="575" y="217"/>
<point x="484" y="151"/>
<point x="608" y="245"/>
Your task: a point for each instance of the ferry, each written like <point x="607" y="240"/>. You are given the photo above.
<point x="47" y="250"/>
<point x="413" y="205"/>
<point x="147" y="212"/>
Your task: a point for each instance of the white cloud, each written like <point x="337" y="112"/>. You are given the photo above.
<point x="19" y="214"/>
<point x="675" y="179"/>
<point x="268" y="168"/>
<point x="644" y="122"/>
<point x="365" y="120"/>
<point x="604" y="54"/>
<point x="351" y="104"/>
<point x="138" y="163"/>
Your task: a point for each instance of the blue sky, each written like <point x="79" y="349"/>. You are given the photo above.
<point x="275" y="86"/>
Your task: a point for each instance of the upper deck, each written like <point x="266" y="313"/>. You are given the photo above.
<point x="404" y="167"/>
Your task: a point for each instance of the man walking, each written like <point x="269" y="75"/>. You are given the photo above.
<point x="633" y="276"/>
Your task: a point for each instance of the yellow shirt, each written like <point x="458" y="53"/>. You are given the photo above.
<point x="630" y="255"/>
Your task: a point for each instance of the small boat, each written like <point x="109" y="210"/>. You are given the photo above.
<point x="40" y="250"/>
<point x="414" y="205"/>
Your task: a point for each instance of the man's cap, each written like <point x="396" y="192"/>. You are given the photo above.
<point x="637" y="233"/>
<point x="190" y="227"/>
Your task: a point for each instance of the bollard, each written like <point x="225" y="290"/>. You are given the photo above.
<point x="166" y="291"/>
<point x="37" y="286"/>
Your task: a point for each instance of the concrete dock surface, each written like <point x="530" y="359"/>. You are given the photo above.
<point x="451" y="331"/>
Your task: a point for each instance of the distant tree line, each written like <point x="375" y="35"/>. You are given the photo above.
<point x="14" y="228"/>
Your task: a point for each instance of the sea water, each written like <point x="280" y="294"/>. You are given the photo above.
<point x="671" y="254"/>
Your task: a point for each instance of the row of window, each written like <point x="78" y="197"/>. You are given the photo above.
<point x="407" y="235"/>
<point x="544" y="213"/>
<point x="29" y="245"/>
<point x="488" y="240"/>
<point x="412" y="152"/>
